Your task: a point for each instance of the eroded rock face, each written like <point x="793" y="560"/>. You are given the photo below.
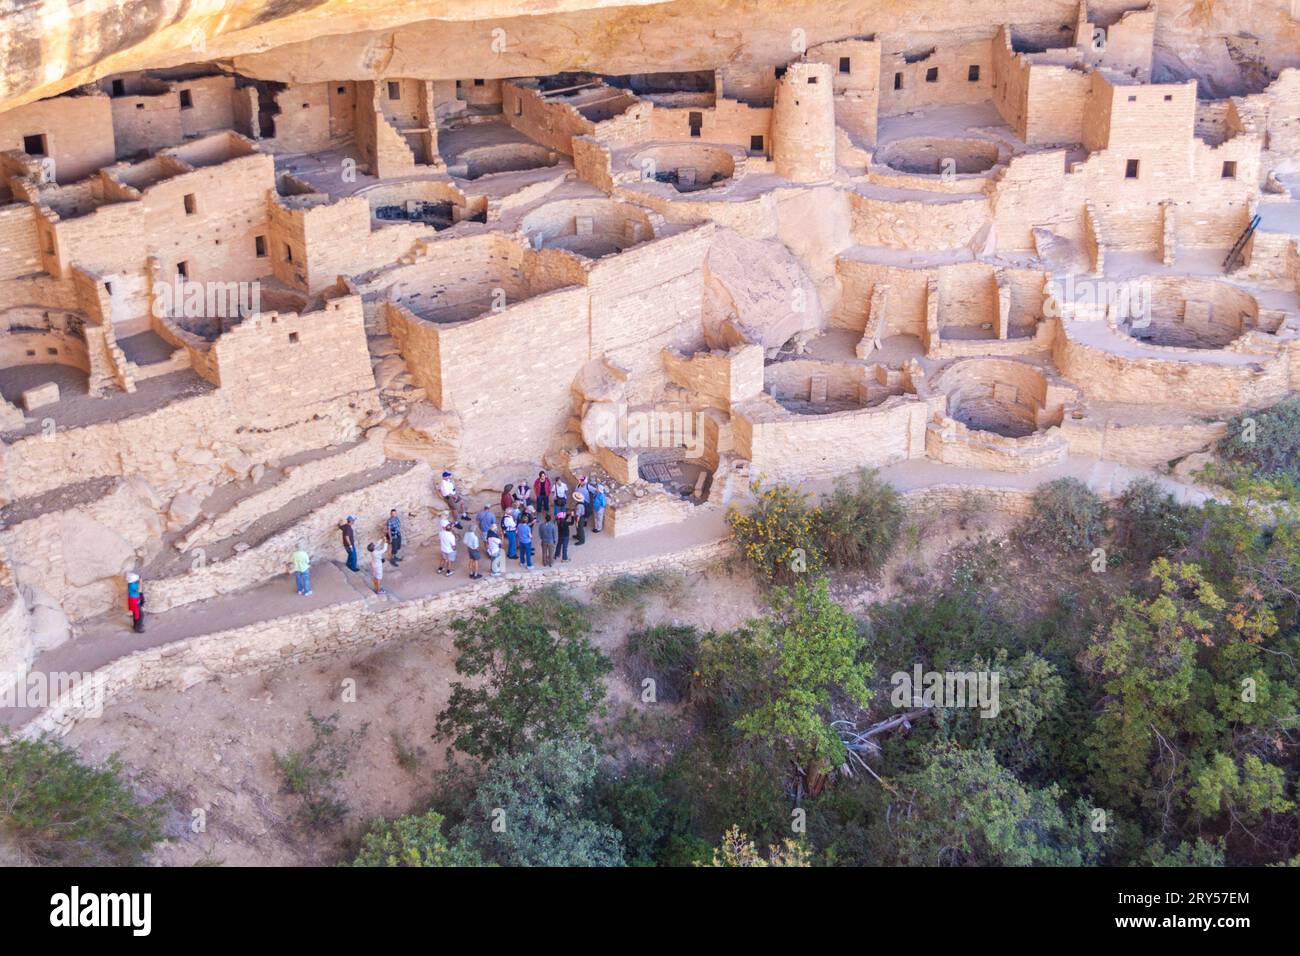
<point x="49" y="46"/>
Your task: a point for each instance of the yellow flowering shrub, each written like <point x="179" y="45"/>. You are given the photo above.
<point x="778" y="535"/>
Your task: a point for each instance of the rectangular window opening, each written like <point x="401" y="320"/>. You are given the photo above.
<point x="1131" y="169"/>
<point x="973" y="73"/>
<point x="187" y="101"/>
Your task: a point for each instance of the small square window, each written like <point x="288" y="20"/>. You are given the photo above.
<point x="780" y="72"/>
<point x="50" y="350"/>
<point x="139" y="106"/>
<point x="190" y="205"/>
<point x="1169" y="97"/>
<point x="932" y="75"/>
<point x="293" y="338"/>
<point x="119" y="88"/>
<point x="394" y="90"/>
<point x="846" y="65"/>
<point x="183" y="269"/>
<point x="31" y="353"/>
<point x="187" y="101"/>
<point x="1229" y="169"/>
<point x="306" y="105"/>
<point x="898" y="81"/>
<point x="342" y="90"/>
<point x="1133" y="98"/>
<point x="812" y="79"/>
<point x="1131" y="169"/>
<point x="34" y="145"/>
<point x="478" y="82"/>
<point x="259" y="246"/>
<point x="755" y="144"/>
<point x="973" y="73"/>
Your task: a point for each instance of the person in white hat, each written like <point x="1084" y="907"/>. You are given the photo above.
<point x="135" y="601"/>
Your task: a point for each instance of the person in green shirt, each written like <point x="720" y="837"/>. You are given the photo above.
<point x="302" y="570"/>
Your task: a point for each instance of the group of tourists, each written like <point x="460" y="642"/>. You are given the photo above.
<point x="535" y="521"/>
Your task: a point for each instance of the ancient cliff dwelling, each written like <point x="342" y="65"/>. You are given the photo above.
<point x="264" y="269"/>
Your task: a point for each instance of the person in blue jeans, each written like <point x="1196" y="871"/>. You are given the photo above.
<point x="350" y="541"/>
<point x="512" y="539"/>
<point x="525" y="533"/>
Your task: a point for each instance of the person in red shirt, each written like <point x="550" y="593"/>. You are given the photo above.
<point x="542" y="493"/>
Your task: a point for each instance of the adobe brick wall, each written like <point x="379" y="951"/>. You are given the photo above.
<point x="952" y="83"/>
<point x="78" y="131"/>
<point x="513" y="402"/>
<point x="803" y="123"/>
<point x="782" y="445"/>
<point x="1178" y="379"/>
<point x="726" y="121"/>
<point x="718" y="378"/>
<point x="913" y="224"/>
<point x="20" y="252"/>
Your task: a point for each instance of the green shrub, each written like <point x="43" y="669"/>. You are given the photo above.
<point x="1266" y="442"/>
<point x="415" y="840"/>
<point x="666" y="652"/>
<point x="58" y="811"/>
<point x="1066" y="515"/>
<point x="1149" y="522"/>
<point x="860" y="522"/>
<point x="637" y="804"/>
<point x="778" y="535"/>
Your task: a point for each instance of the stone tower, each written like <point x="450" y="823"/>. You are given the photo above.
<point x="803" y="123"/>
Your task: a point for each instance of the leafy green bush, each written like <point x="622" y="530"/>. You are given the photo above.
<point x="860" y="521"/>
<point x="1266" y="442"/>
<point x="313" y="774"/>
<point x="639" y="806"/>
<point x="415" y="840"/>
<point x="58" y="811"/>
<point x="532" y="674"/>
<point x="1066" y="516"/>
<point x="1149" y="522"/>
<point x="666" y="652"/>
<point x="533" y="809"/>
